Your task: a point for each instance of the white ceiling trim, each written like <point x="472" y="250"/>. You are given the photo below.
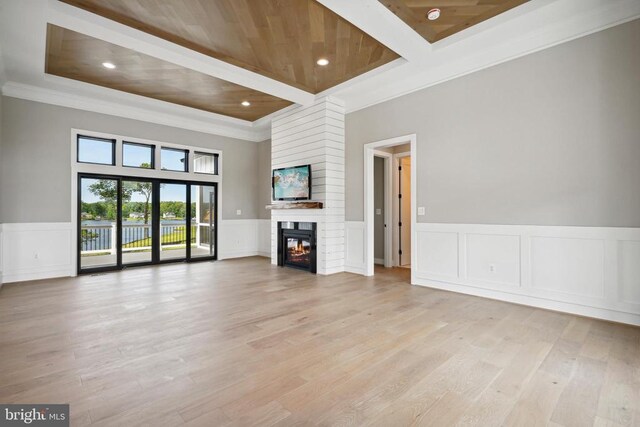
<point x="539" y="25"/>
<point x="534" y="26"/>
<point x="208" y="123"/>
<point x="93" y="25"/>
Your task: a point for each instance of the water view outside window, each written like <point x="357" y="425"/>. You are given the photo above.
<point x="137" y="234"/>
<point x="96" y="150"/>
<point x="137" y="155"/>
<point x="99" y="213"/>
<point x="174" y="160"/>
<point x="173" y="221"/>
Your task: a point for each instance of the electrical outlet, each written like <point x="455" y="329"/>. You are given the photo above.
<point x="492" y="268"/>
<point x="239" y="212"/>
<point x="378" y="211"/>
<point x="36" y="255"/>
<point x="421" y="210"/>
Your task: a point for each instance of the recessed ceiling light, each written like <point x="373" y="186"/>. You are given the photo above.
<point x="323" y="62"/>
<point x="108" y="65"/>
<point x="246" y="103"/>
<point x="433" y="14"/>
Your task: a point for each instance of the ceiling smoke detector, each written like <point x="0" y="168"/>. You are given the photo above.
<point x="433" y="14"/>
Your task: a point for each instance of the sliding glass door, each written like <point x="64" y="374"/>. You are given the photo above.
<point x="98" y="207"/>
<point x="174" y="221"/>
<point x="126" y="221"/>
<point x="137" y="222"/>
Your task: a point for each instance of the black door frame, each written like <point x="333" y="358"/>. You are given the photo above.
<point x="155" y="222"/>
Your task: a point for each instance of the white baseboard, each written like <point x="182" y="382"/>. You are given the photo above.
<point x="33" y="251"/>
<point x="590" y="271"/>
<point x="581" y="310"/>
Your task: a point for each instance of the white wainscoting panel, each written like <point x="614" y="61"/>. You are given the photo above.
<point x="238" y="238"/>
<point x="354" y="232"/>
<point x="629" y="271"/>
<point x="591" y="271"/>
<point x="493" y="258"/>
<point x="440" y="252"/>
<point x="264" y="237"/>
<point x="568" y="265"/>
<point x="33" y="251"/>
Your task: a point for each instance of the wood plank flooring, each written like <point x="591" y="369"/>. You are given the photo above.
<point x="241" y="342"/>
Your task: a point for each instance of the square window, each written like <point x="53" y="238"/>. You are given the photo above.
<point x="96" y="150"/>
<point x="205" y="163"/>
<point x="137" y="155"/>
<point x="173" y="159"/>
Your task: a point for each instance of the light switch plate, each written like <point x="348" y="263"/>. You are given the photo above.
<point x="378" y="211"/>
<point x="421" y="210"/>
<point x="239" y="212"/>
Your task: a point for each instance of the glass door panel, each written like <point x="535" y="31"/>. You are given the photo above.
<point x="203" y="221"/>
<point x="137" y="220"/>
<point x="98" y="238"/>
<point x="173" y="221"/>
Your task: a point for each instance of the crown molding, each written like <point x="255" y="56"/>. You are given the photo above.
<point x="247" y="132"/>
<point x="535" y="26"/>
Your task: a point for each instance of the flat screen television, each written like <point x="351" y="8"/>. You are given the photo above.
<point x="292" y="183"/>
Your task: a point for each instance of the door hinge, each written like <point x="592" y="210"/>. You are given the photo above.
<point x="400" y="224"/>
<point x="400" y="252"/>
<point x="399" y="196"/>
<point x="399" y="168"/>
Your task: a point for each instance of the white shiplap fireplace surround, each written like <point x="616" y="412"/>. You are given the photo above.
<point x="314" y="135"/>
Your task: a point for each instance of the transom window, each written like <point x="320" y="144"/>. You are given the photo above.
<point x="205" y="163"/>
<point x="135" y="155"/>
<point x="173" y="159"/>
<point x="96" y="150"/>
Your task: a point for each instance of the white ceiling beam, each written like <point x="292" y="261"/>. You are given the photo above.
<point x="93" y="25"/>
<point x="375" y="19"/>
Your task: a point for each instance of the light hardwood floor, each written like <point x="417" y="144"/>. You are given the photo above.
<point x="240" y="342"/>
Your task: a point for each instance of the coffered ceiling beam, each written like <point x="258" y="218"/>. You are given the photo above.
<point x="376" y="20"/>
<point x="76" y="19"/>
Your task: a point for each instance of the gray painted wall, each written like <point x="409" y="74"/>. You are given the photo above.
<point x="36" y="166"/>
<point x="264" y="179"/>
<point x="552" y="138"/>
<point x="378" y="203"/>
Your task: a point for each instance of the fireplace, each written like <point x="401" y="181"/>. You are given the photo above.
<point x="297" y="245"/>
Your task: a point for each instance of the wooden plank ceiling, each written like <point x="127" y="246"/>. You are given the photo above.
<point x="455" y="16"/>
<point x="77" y="56"/>
<point x="280" y="39"/>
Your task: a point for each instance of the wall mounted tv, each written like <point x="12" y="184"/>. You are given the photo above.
<point x="292" y="183"/>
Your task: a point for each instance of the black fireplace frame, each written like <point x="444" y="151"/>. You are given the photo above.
<point x="295" y="232"/>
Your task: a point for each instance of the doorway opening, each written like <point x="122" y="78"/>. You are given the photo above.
<point x="389" y="203"/>
<point x="130" y="221"/>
